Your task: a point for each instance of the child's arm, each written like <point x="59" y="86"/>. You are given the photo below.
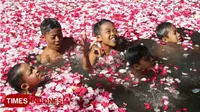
<point x="86" y="51"/>
<point x="94" y="54"/>
<point x="86" y="62"/>
<point x="90" y="53"/>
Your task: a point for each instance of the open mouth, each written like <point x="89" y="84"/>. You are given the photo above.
<point x="57" y="44"/>
<point x="180" y="39"/>
<point x="113" y="39"/>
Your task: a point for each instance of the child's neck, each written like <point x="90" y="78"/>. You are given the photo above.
<point x="106" y="48"/>
<point x="49" y="48"/>
<point x="25" y="92"/>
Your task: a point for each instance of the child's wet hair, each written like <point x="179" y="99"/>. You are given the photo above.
<point x="14" y="78"/>
<point x="162" y="29"/>
<point x="96" y="27"/>
<point x="135" y="53"/>
<point x="49" y="24"/>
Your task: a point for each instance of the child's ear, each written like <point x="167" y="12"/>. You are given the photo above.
<point x="165" y="39"/>
<point x="42" y="36"/>
<point x="136" y="66"/>
<point x="99" y="39"/>
<point x="25" y="86"/>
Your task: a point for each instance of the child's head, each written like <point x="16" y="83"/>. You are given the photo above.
<point x="52" y="33"/>
<point x="167" y="32"/>
<point x="139" y="58"/>
<point x="23" y="77"/>
<point x="106" y="32"/>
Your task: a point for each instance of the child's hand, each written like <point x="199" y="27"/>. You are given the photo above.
<point x="95" y="51"/>
<point x="91" y="53"/>
<point x="90" y="49"/>
<point x="94" y="54"/>
<point x="85" y="45"/>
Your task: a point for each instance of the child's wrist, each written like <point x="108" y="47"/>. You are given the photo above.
<point x="86" y="54"/>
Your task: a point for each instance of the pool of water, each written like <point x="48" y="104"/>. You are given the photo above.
<point x="184" y="65"/>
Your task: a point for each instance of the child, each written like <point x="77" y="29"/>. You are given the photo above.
<point x="187" y="61"/>
<point x="24" y="78"/>
<point x="108" y="39"/>
<point x="167" y="33"/>
<point x="139" y="59"/>
<point x="56" y="45"/>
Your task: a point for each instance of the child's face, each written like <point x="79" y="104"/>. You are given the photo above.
<point x="173" y="35"/>
<point x="108" y="34"/>
<point x="54" y="38"/>
<point x="146" y="62"/>
<point x="31" y="76"/>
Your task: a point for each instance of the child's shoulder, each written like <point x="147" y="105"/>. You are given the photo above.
<point x="48" y="54"/>
<point x="44" y="57"/>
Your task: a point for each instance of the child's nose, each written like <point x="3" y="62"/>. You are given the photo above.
<point x="57" y="38"/>
<point x="113" y="33"/>
<point x="178" y="34"/>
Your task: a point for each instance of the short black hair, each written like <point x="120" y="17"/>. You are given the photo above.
<point x="162" y="29"/>
<point x="96" y="26"/>
<point x="49" y="24"/>
<point x="135" y="53"/>
<point x="14" y="78"/>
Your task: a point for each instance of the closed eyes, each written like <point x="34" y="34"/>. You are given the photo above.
<point x="109" y="31"/>
<point x="174" y="32"/>
<point x="54" y="36"/>
<point x="31" y="69"/>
